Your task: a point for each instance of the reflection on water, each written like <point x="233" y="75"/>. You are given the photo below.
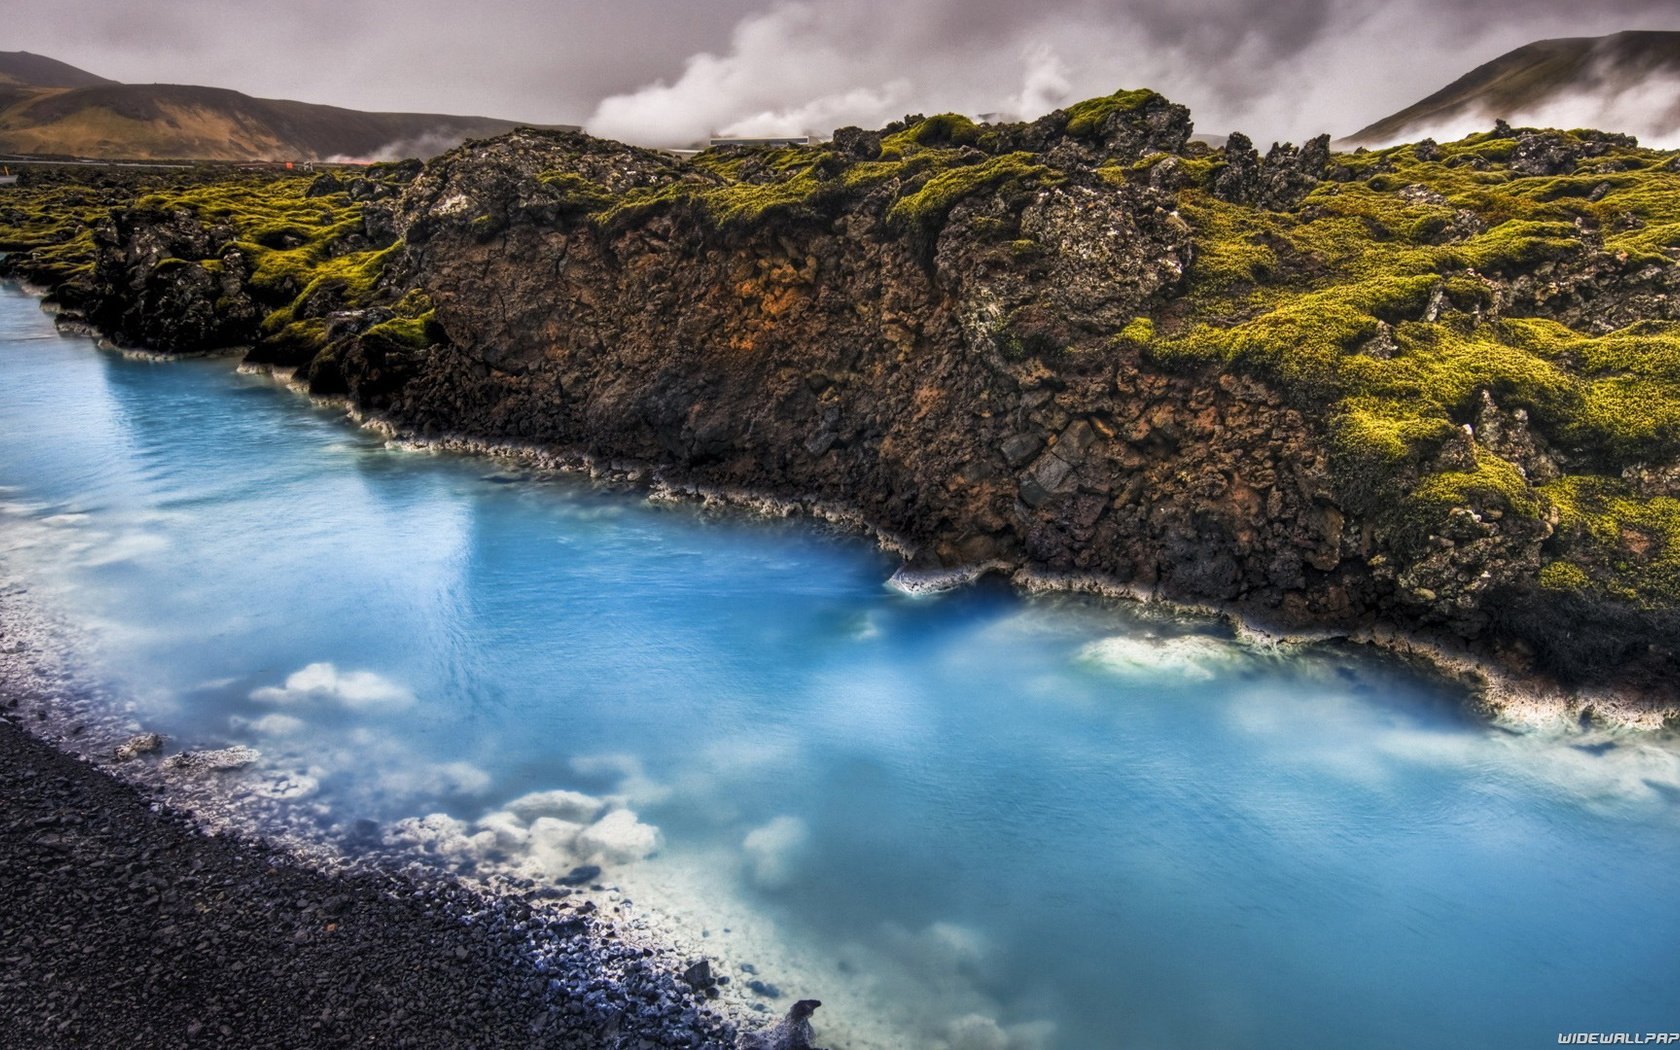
<point x="973" y="821"/>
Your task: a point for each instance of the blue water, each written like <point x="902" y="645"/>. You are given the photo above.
<point x="979" y="822"/>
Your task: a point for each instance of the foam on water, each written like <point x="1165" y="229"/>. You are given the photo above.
<point x="985" y="822"/>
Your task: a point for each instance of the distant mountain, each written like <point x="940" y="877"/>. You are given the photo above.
<point x="1627" y="82"/>
<point x="30" y="70"/>
<point x="50" y="108"/>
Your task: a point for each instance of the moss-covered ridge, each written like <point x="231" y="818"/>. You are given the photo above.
<point x="923" y="165"/>
<point x="1398" y="289"/>
<point x="281" y="262"/>
<point x="1485" y="334"/>
<point x="1416" y="280"/>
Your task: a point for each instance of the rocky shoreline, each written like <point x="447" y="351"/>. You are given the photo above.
<point x="125" y="924"/>
<point x="142" y="904"/>
<point x="1497" y="689"/>
<point x="1394" y="397"/>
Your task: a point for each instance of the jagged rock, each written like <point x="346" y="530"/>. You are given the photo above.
<point x="1280" y="181"/>
<point x="151" y="286"/>
<point x="369" y="190"/>
<point x="698" y="975"/>
<point x="856" y="143"/>
<point x="1168" y="175"/>
<point x="1543" y="154"/>
<point x="981" y="378"/>
<point x="325" y="184"/>
<point x="1017" y="449"/>
<point x="137" y="745"/>
<point x="1508" y="435"/>
<point x="1239" y="180"/>
<point x="792" y="1032"/>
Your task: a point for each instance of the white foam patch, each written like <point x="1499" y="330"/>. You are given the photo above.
<point x="274" y="724"/>
<point x="510" y="831"/>
<point x="566" y="805"/>
<point x="941" y="950"/>
<point x="617" y="838"/>
<point x="1607" y="770"/>
<point x="772" y="852"/>
<point x="550" y="847"/>
<point x="440" y="836"/>
<point x="1368" y="742"/>
<point x="324" y="683"/>
<point x="525" y="838"/>
<point x="1195" y="658"/>
<point x="284" y="785"/>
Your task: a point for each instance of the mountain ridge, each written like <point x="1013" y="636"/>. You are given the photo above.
<point x="1555" y="77"/>
<point x="50" y="108"/>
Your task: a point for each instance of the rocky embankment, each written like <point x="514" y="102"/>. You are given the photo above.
<point x="1421" y="396"/>
<point x="123" y="923"/>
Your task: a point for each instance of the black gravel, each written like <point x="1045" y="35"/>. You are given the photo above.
<point x="123" y="925"/>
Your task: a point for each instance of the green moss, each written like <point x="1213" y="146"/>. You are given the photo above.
<point x="1631" y="543"/>
<point x="413" y="325"/>
<point x="1518" y="244"/>
<point x="1493" y="483"/>
<point x="745" y="202"/>
<point x="927" y="207"/>
<point x="1139" y="331"/>
<point x="1374" y="304"/>
<point x="943" y="129"/>
<point x="1087" y="118"/>
<point x="415" y="333"/>
<point x="1564" y="576"/>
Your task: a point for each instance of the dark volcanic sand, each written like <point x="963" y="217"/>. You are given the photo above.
<point x="123" y="925"/>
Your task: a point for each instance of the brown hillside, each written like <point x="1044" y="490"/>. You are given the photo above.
<point x="49" y="108"/>
<point x="1537" y="75"/>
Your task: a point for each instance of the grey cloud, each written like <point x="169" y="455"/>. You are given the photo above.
<point x="669" y="71"/>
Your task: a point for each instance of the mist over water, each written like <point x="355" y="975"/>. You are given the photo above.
<point x="973" y="821"/>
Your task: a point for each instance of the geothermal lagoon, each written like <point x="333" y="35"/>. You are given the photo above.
<point x="974" y="820"/>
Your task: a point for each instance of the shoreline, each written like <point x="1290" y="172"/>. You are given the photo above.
<point x="573" y="968"/>
<point x="1496" y="692"/>
<point x="208" y="935"/>
<point x="500" y="964"/>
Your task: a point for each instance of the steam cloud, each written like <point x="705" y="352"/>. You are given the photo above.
<point x="1286" y="69"/>
<point x="662" y="72"/>
<point x="1645" y="106"/>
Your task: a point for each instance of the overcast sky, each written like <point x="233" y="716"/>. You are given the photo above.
<point x="670" y="71"/>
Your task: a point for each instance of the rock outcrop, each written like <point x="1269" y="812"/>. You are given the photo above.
<point x="792" y="1032"/>
<point x="1086" y="347"/>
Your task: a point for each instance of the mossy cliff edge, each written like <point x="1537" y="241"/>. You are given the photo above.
<point x="1432" y="390"/>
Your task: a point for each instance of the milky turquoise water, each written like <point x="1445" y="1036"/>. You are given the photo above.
<point x="975" y="821"/>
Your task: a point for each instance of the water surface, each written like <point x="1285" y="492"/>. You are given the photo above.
<point x="978" y="821"/>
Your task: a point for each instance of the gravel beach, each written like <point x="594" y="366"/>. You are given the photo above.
<point x="122" y="924"/>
